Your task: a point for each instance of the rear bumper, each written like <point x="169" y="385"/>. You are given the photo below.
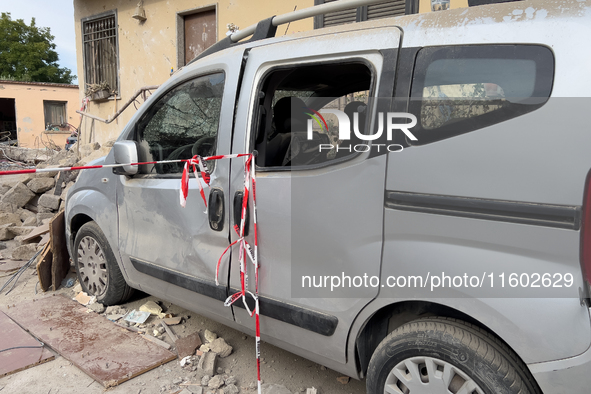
<point x="566" y="376"/>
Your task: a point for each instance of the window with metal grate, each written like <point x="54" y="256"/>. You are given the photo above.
<point x="101" y="52"/>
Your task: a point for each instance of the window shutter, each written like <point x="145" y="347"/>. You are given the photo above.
<point x="386" y="9"/>
<point x="340" y="17"/>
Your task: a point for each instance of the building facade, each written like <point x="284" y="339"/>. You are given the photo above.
<point x="38" y="114"/>
<point x="123" y="45"/>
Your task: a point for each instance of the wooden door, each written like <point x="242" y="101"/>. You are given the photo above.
<point x="200" y="33"/>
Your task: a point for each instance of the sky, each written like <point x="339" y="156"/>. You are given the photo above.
<point x="58" y="15"/>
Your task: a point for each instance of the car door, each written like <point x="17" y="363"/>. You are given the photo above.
<point x="171" y="251"/>
<point x="316" y="218"/>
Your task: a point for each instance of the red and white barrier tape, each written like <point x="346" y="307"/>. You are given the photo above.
<point x="245" y="249"/>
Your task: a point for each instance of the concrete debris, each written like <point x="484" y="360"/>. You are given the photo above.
<point x="24" y="252"/>
<point x="19" y="195"/>
<point x="50" y="201"/>
<point x="184" y="391"/>
<point x="186" y="360"/>
<point x="41" y="185"/>
<point x="343" y="379"/>
<point x="152" y="308"/>
<point x="172" y="321"/>
<point x="230" y="380"/>
<point x="10" y="218"/>
<point x="205" y="380"/>
<point x="216" y="382"/>
<point x="231" y="389"/>
<point x="268" y="388"/>
<point x="206" y="366"/>
<point x="97" y="307"/>
<point x="195" y="389"/>
<point x="209" y="336"/>
<point x="311" y="391"/>
<point x="220" y="347"/>
<point x="5" y="233"/>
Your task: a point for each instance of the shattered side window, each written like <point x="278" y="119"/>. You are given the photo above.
<point x="182" y="124"/>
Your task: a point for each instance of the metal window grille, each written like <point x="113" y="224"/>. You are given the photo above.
<point x="100" y="51"/>
<point x="55" y="112"/>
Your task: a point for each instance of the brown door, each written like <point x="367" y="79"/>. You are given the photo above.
<point x="200" y="33"/>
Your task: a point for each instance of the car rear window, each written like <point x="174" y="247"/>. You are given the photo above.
<point x="459" y="89"/>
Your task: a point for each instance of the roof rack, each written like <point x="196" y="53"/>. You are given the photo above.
<point x="267" y="27"/>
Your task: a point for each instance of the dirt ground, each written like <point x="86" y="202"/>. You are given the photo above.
<point x="278" y="366"/>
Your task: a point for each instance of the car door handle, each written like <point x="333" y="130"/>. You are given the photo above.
<point x="238" y="211"/>
<point x="216" y="209"/>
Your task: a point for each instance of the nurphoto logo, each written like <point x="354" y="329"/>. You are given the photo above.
<point x="391" y="120"/>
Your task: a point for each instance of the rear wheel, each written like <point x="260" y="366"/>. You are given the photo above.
<point x="443" y="356"/>
<point x="96" y="267"/>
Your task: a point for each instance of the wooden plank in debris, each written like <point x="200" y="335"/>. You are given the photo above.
<point x="15" y="360"/>
<point x="44" y="239"/>
<point x="44" y="268"/>
<point x="94" y="344"/>
<point x="59" y="248"/>
<point x="156" y="341"/>
<point x="39" y="231"/>
<point x="169" y="332"/>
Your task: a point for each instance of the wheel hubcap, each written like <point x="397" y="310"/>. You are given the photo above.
<point x="92" y="266"/>
<point x="427" y="375"/>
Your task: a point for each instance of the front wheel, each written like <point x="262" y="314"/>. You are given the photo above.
<point x="96" y="267"/>
<point x="443" y="356"/>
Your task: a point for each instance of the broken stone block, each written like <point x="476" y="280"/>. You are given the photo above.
<point x="19" y="195"/>
<point x="231" y="389"/>
<point x="205" y="380"/>
<point x="216" y="382"/>
<point x="343" y="379"/>
<point x="68" y="162"/>
<point x="41" y="185"/>
<point x="24" y="252"/>
<point x="209" y="336"/>
<point x="8" y="207"/>
<point x="97" y="307"/>
<point x="230" y="380"/>
<point x="5" y="232"/>
<point x="184" y="391"/>
<point x="22" y="230"/>
<point x="49" y="201"/>
<point x="44" y="209"/>
<point x="6" y="218"/>
<point x="206" y="365"/>
<point x="87" y="149"/>
<point x="268" y="388"/>
<point x="30" y="221"/>
<point x="43" y="216"/>
<point x="24" y="214"/>
<point x="2" y="245"/>
<point x="220" y="347"/>
<point x="23" y="240"/>
<point x="4" y="188"/>
<point x="195" y="390"/>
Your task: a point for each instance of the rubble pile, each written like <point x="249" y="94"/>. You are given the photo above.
<point x="29" y="201"/>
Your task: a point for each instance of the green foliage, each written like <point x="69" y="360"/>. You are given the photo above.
<point x="27" y="53"/>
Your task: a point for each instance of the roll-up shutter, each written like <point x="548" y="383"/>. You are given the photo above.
<point x="386" y="9"/>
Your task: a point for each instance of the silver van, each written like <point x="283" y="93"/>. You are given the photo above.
<point x="423" y="197"/>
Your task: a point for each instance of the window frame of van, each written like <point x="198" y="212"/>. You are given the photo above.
<point x="134" y="134"/>
<point x="255" y="116"/>
<point x="545" y="69"/>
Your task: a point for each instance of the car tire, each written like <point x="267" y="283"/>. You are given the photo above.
<point x="441" y="355"/>
<point x="96" y="267"/>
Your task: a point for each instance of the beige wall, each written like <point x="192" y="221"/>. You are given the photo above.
<point x="30" y="117"/>
<point x="425" y="5"/>
<point x="148" y="50"/>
